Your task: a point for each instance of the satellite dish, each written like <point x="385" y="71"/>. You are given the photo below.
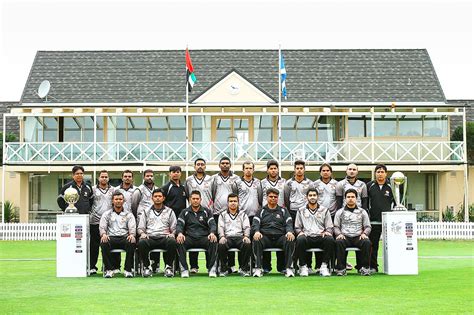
<point x="43" y="89"/>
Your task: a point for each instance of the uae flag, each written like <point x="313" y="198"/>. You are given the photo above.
<point x="190" y="77"/>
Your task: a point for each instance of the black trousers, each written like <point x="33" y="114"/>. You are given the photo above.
<point x="304" y="242"/>
<point x="168" y="243"/>
<point x="273" y="242"/>
<point x="374" y="237"/>
<point x="364" y="255"/>
<point x="94" y="245"/>
<point x="203" y="242"/>
<point x="244" y="254"/>
<point x="230" y="256"/>
<point x="117" y="242"/>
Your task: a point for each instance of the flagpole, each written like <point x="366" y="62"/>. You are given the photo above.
<point x="279" y="106"/>
<point x="187" y="114"/>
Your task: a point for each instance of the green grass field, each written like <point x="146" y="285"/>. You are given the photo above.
<point x="445" y="284"/>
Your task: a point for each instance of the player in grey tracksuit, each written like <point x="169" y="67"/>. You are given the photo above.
<point x="102" y="202"/>
<point x="349" y="182"/>
<point x="127" y="189"/>
<point x="234" y="232"/>
<point x="249" y="190"/>
<point x="141" y="201"/>
<point x="223" y="184"/>
<point x="117" y="231"/>
<point x="157" y="227"/>
<point x="352" y="228"/>
<point x="296" y="188"/>
<point x="314" y="229"/>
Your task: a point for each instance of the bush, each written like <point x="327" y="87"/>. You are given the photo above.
<point x="448" y="215"/>
<point x="460" y="213"/>
<point x="12" y="213"/>
<point x="458" y="136"/>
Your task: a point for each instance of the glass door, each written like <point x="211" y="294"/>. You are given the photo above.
<point x="233" y="136"/>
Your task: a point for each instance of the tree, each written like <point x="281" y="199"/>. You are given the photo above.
<point x="458" y="136"/>
<point x="9" y="137"/>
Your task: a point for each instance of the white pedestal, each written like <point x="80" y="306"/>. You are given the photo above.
<point x="72" y="245"/>
<point x="400" y="246"/>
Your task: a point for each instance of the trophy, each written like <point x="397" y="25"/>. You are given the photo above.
<point x="71" y="196"/>
<point x="397" y="179"/>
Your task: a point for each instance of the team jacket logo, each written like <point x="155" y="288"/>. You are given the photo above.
<point x="277" y="216"/>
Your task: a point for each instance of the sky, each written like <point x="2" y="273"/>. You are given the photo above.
<point x="443" y="27"/>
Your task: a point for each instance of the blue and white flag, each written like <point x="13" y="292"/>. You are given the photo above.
<point x="282" y="75"/>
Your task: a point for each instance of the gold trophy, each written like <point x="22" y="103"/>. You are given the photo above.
<point x="398" y="179"/>
<point x="71" y="196"/>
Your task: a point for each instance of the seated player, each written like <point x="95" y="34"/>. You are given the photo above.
<point x="273" y="228"/>
<point x="352" y="229"/>
<point x="117" y="231"/>
<point x="313" y="228"/>
<point x="196" y="228"/>
<point x="156" y="228"/>
<point x="234" y="232"/>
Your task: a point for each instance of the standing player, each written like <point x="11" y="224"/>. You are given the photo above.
<point x="296" y="188"/>
<point x="326" y="187"/>
<point x="380" y="200"/>
<point x="86" y="197"/>
<point x="202" y="182"/>
<point x="223" y="184"/>
<point x="273" y="180"/>
<point x="352" y="228"/>
<point x="314" y="228"/>
<point x="102" y="202"/>
<point x="127" y="188"/>
<point x="351" y="181"/>
<point x="157" y="229"/>
<point x="249" y="191"/>
<point x="234" y="232"/>
<point x="142" y="201"/>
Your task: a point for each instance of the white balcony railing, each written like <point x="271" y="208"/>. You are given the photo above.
<point x="450" y="152"/>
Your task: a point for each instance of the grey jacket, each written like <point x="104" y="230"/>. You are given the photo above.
<point x="351" y="222"/>
<point x="313" y="224"/>
<point x="233" y="226"/>
<point x="117" y="224"/>
<point x="157" y="223"/>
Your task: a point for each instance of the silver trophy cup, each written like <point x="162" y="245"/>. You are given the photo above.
<point x="71" y="196"/>
<point x="398" y="179"/>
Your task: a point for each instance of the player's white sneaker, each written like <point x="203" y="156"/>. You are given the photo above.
<point x="233" y="269"/>
<point x="324" y="271"/>
<point x="289" y="273"/>
<point x="194" y="270"/>
<point x="169" y="272"/>
<point x="184" y="274"/>
<point x="364" y="271"/>
<point x="128" y="274"/>
<point x="304" y="271"/>
<point x="93" y="271"/>
<point x="372" y="271"/>
<point x="245" y="273"/>
<point x="212" y="273"/>
<point x="109" y="274"/>
<point x="341" y="272"/>
<point x="349" y="266"/>
<point x="147" y="272"/>
<point x="116" y="271"/>
<point x="257" y="272"/>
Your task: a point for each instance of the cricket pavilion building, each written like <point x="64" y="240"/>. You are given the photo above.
<point x="118" y="110"/>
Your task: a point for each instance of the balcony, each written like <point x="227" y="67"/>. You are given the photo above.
<point x="409" y="152"/>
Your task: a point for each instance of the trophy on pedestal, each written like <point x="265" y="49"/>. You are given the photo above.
<point x="71" y="196"/>
<point x="396" y="180"/>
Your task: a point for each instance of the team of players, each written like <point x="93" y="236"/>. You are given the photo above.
<point x="230" y="212"/>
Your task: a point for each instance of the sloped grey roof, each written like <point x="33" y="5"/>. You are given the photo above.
<point x="383" y="75"/>
<point x="12" y="122"/>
